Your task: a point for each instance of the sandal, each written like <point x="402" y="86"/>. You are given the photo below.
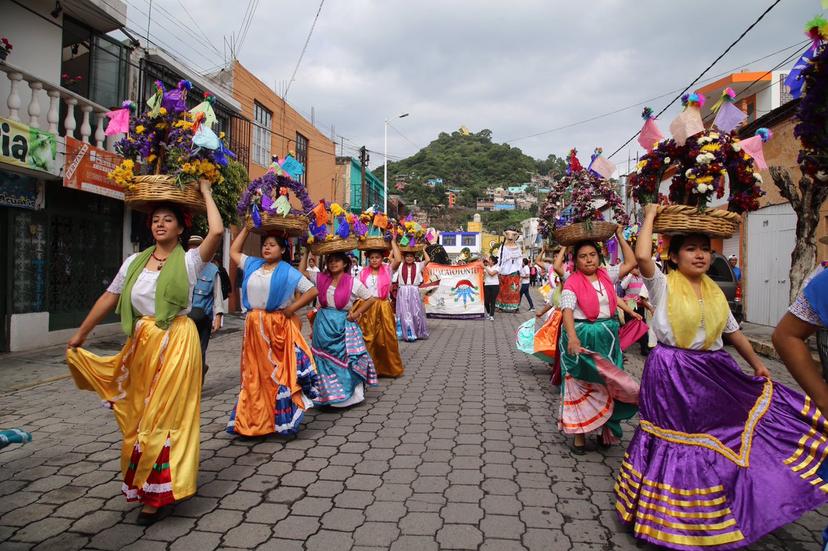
<point x="578" y="450"/>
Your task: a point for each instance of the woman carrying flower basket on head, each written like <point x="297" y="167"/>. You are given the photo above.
<point x="154" y="383"/>
<point x="377" y="324"/>
<point x="596" y="394"/>
<point x="278" y="376"/>
<point x="738" y="454"/>
<point x="342" y="360"/>
<point x="509" y="262"/>
<point x="410" y="309"/>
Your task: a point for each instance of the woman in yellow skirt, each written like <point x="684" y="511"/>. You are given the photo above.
<point x="154" y="383"/>
<point x="278" y="375"/>
<point x="377" y="323"/>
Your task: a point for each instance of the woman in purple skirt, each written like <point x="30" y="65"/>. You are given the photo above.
<point x="410" y="309"/>
<point x="720" y="458"/>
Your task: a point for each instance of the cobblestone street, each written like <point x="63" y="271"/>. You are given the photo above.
<point x="459" y="453"/>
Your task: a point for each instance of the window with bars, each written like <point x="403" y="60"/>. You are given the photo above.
<point x="302" y="155"/>
<point x="261" y="134"/>
<point x="468" y="241"/>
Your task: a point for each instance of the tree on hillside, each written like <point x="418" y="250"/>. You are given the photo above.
<point x="808" y="196"/>
<point x="553" y="166"/>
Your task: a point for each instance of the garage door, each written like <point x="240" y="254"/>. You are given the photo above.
<point x="770" y="241"/>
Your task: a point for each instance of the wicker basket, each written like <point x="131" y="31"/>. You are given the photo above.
<point x="595" y="230"/>
<point x="146" y="191"/>
<point x="415" y="249"/>
<point x="291" y="226"/>
<point x="337" y="245"/>
<point x="683" y="219"/>
<point x="374" y="244"/>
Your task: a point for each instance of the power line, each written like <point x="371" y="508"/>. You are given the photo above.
<point x="247" y="27"/>
<point x="678" y="97"/>
<point x="198" y="27"/>
<point x="304" y="48"/>
<point x="644" y="102"/>
<point x="403" y="136"/>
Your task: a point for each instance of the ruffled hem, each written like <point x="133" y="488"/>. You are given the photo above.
<point x="157" y="491"/>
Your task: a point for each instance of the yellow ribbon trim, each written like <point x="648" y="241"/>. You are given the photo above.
<point x="691" y="527"/>
<point x="719" y="539"/>
<point x="711" y="442"/>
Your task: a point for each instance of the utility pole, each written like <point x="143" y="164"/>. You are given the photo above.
<point x="363" y="161"/>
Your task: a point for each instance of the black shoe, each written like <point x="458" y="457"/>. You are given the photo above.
<point x="578" y="450"/>
<point x="146" y="519"/>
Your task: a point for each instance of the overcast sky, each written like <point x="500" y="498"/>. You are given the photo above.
<point x="518" y="68"/>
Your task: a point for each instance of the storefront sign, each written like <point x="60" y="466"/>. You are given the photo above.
<point x="86" y="169"/>
<point x="27" y="147"/>
<point x="23" y="192"/>
<point x="460" y="292"/>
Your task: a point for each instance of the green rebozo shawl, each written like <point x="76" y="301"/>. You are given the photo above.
<point x="172" y="292"/>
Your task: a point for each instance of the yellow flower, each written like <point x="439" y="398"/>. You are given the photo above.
<point x="641" y="164"/>
<point x="139" y="129"/>
<point x="221" y="135"/>
<point x="151" y="157"/>
<point x="704" y="179"/>
<point x="163" y="111"/>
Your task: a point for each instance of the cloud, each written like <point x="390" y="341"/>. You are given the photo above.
<point x="516" y="68"/>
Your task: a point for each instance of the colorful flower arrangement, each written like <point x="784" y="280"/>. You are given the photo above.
<point x="410" y="233"/>
<point x="812" y="112"/>
<point x="330" y="222"/>
<point x="700" y="165"/>
<point x="167" y="139"/>
<point x="373" y="223"/>
<point x="5" y="47"/>
<point x="270" y="194"/>
<point x="580" y="197"/>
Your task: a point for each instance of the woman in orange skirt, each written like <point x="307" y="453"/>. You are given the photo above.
<point x="278" y="375"/>
<point x="154" y="383"/>
<point x="377" y="323"/>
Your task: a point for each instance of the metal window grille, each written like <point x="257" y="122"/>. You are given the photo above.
<point x="302" y="155"/>
<point x="262" y="119"/>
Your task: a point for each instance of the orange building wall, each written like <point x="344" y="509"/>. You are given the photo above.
<point x="286" y="122"/>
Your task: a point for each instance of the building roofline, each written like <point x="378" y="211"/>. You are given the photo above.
<point x="733" y="78"/>
<point x="771" y="118"/>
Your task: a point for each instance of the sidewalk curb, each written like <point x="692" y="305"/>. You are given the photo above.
<point x="766" y="350"/>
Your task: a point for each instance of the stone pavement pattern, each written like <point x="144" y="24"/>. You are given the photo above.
<point x="459" y="453"/>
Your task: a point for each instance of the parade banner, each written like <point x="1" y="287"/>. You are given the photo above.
<point x="27" y="147"/>
<point x="459" y="294"/>
<point x="86" y="169"/>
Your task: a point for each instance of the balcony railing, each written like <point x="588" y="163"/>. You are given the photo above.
<point x="47" y="94"/>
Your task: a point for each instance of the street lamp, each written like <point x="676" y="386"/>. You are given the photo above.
<point x="385" y="165"/>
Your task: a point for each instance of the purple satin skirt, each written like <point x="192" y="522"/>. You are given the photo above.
<point x="411" y="313"/>
<point x="720" y="458"/>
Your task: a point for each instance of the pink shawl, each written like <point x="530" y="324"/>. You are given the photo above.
<point x="383" y="279"/>
<point x="342" y="293"/>
<point x="580" y="284"/>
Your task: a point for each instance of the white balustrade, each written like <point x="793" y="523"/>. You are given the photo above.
<point x="34" y="104"/>
<point x="13" y="101"/>
<point x="53" y="116"/>
<point x="69" y="122"/>
<point x="86" y="127"/>
<point x="92" y="114"/>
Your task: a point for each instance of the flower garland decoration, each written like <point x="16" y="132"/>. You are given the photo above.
<point x="576" y="198"/>
<point x="373" y="223"/>
<point x="270" y="194"/>
<point x="700" y="166"/>
<point x="168" y="139"/>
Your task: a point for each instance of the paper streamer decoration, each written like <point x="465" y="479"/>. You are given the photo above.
<point x="206" y="138"/>
<point x="293" y="167"/>
<point x="729" y="117"/>
<point x="603" y="166"/>
<point x="205" y="107"/>
<point x="118" y="122"/>
<point x="687" y="123"/>
<point x="753" y="147"/>
<point x="650" y="135"/>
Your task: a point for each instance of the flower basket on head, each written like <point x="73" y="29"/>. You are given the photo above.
<point x="372" y="229"/>
<point x="701" y="168"/>
<point x="579" y="203"/>
<point x="266" y="205"/>
<point x="411" y="235"/>
<point x="147" y="191"/>
<point x="331" y="229"/>
<point x="597" y="230"/>
<point x="167" y="149"/>
<point x="684" y="219"/>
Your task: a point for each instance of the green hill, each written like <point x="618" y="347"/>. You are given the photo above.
<point x="468" y="163"/>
